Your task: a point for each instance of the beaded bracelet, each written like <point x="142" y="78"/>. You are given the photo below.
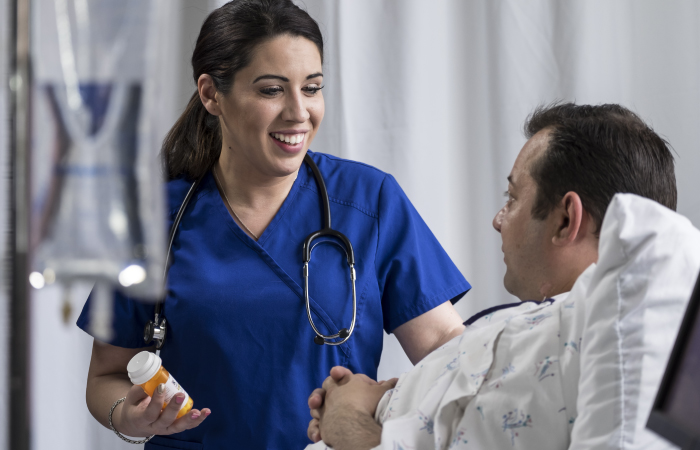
<point x="130" y="441"/>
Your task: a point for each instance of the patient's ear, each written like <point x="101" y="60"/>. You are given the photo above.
<point x="572" y="220"/>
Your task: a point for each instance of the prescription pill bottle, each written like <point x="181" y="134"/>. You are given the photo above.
<point x="146" y="370"/>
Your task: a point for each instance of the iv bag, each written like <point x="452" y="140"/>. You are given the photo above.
<point x="98" y="210"/>
<point x="93" y="225"/>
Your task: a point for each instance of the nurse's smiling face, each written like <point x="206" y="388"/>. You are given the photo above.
<point x="526" y="240"/>
<point x="273" y="110"/>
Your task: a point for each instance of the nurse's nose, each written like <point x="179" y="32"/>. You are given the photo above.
<point x="296" y="109"/>
<point x="497" y="220"/>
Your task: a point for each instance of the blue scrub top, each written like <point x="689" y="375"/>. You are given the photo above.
<point x="238" y="338"/>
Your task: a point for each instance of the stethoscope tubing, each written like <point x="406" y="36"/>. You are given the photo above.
<point x="156" y="330"/>
<point x="344" y="333"/>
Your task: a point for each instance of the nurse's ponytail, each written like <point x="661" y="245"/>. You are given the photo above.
<point x="225" y="46"/>
<point x="193" y="144"/>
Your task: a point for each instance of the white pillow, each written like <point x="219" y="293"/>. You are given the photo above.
<point x="649" y="258"/>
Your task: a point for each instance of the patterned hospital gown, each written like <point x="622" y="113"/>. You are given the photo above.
<point x="509" y="381"/>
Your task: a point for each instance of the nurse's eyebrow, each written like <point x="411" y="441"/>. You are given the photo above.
<point x="271" y="77"/>
<point x="285" y="79"/>
<point x="510" y="180"/>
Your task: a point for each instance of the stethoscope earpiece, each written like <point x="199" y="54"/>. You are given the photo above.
<point x="318" y="340"/>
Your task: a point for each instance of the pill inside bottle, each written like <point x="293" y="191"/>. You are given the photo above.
<point x="146" y="370"/>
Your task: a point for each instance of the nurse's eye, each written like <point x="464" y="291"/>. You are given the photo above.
<point x="312" y="89"/>
<point x="271" y="90"/>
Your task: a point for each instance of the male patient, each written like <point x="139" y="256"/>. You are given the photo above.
<point x="576" y="158"/>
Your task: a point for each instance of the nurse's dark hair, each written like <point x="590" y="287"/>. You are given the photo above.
<point x="596" y="152"/>
<point x="225" y="45"/>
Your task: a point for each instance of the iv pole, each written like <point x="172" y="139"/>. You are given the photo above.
<point x="20" y="86"/>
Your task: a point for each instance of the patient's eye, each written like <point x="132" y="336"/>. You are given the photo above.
<point x="508" y="196"/>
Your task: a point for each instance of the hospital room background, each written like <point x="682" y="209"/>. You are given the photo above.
<point x="433" y="92"/>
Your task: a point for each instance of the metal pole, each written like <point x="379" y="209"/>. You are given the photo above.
<point x="20" y="86"/>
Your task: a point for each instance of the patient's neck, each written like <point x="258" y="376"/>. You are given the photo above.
<point x="566" y="267"/>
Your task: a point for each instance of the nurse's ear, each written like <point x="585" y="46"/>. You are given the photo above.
<point x="207" y="93"/>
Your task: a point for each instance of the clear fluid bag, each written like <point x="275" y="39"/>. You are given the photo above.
<point x="99" y="200"/>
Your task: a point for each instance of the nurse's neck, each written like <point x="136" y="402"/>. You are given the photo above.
<point x="253" y="189"/>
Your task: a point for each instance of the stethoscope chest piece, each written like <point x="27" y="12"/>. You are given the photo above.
<point x="155" y="332"/>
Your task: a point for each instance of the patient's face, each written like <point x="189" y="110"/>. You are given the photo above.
<point x="525" y="239"/>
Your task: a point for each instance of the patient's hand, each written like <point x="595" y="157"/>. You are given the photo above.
<point x="317" y="398"/>
<point x="343" y="409"/>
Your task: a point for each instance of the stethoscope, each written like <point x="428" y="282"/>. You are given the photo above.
<point x="156" y="329"/>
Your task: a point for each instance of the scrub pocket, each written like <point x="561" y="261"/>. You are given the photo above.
<point x="165" y="443"/>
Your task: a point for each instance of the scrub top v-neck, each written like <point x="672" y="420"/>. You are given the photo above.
<point x="238" y="338"/>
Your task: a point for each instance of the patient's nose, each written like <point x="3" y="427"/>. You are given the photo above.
<point x="498" y="218"/>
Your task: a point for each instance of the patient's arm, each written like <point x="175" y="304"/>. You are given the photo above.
<point x="346" y="418"/>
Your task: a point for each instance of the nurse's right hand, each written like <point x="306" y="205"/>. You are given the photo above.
<point x="141" y="415"/>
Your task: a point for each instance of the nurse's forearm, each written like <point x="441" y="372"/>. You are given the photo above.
<point x="423" y="334"/>
<point x="108" y="381"/>
<point x="102" y="392"/>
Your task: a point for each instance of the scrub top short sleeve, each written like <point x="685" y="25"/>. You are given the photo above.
<point x="414" y="272"/>
<point x="130" y="317"/>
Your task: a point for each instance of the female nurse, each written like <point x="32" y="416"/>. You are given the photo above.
<point x="238" y="337"/>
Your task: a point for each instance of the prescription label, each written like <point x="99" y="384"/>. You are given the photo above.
<point x="172" y="387"/>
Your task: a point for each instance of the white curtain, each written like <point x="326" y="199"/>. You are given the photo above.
<point x="436" y="92"/>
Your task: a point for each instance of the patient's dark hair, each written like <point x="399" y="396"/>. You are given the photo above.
<point x="225" y="45"/>
<point x="598" y="151"/>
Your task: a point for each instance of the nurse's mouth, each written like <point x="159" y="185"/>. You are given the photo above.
<point x="289" y="142"/>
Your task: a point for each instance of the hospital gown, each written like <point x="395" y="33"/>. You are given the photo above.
<point x="509" y="381"/>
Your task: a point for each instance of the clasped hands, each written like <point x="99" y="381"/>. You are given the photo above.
<point x="342" y="410"/>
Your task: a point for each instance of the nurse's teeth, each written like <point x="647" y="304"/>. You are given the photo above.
<point x="289" y="139"/>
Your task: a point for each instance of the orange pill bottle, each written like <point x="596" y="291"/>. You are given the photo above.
<point x="146" y="370"/>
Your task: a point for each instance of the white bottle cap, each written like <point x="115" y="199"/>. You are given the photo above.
<point x="143" y="366"/>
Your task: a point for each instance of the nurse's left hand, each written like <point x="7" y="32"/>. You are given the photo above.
<point x="141" y="415"/>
